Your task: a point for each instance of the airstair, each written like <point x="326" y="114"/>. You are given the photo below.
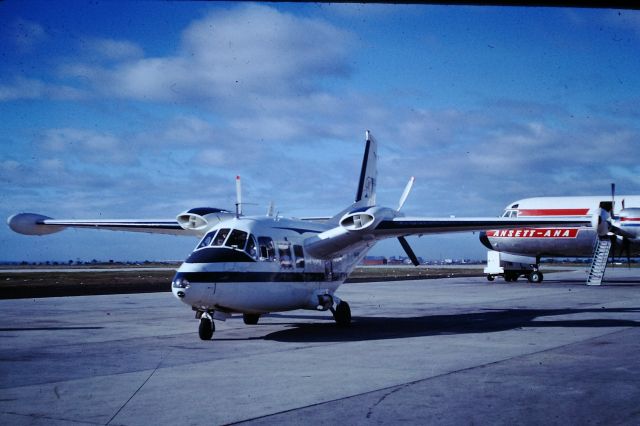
<point x="599" y="262"/>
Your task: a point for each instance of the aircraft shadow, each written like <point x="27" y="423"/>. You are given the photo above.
<point x="377" y="328"/>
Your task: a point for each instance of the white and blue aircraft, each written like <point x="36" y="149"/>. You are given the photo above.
<point x="259" y="264"/>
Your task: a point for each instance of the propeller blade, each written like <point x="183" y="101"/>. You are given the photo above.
<point x="626" y="245"/>
<point x="614" y="240"/>
<point x="405" y="194"/>
<point x="270" y="209"/>
<point x="407" y="249"/>
<point x="613" y="197"/>
<point x="238" y="197"/>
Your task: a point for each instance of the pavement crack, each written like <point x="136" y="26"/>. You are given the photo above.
<point x="379" y="401"/>
<point x="140" y="387"/>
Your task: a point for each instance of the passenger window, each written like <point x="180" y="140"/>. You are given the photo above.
<point x="237" y="239"/>
<point x="206" y="240"/>
<point x="297" y="251"/>
<point x="251" y="247"/>
<point x="285" y="255"/>
<point x="267" y="251"/>
<point x="222" y="235"/>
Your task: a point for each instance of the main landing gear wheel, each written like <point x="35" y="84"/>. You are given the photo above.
<point x="535" y="277"/>
<point x="206" y="329"/>
<point x="342" y="314"/>
<point x="490" y="278"/>
<point x="250" y="319"/>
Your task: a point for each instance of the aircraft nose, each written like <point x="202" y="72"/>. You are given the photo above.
<point x="485" y="240"/>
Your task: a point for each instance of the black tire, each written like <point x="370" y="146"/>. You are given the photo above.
<point x="251" y="319"/>
<point x="490" y="278"/>
<point x="535" y="277"/>
<point x="342" y="315"/>
<point x="206" y="329"/>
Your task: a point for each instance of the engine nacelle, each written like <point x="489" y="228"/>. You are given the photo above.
<point x="357" y="221"/>
<point x="203" y="218"/>
<point x="628" y="220"/>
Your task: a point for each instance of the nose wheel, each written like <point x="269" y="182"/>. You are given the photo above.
<point x="342" y="314"/>
<point x="206" y="328"/>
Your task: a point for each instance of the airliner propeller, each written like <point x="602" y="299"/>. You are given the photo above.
<point x="403" y="241"/>
<point x="615" y="230"/>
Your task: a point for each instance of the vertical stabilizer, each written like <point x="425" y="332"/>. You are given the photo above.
<point x="366" y="194"/>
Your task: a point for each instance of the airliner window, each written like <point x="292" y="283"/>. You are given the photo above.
<point x="222" y="235"/>
<point x="285" y="255"/>
<point x="297" y="251"/>
<point x="206" y="240"/>
<point x="267" y="251"/>
<point x="506" y="214"/>
<point x="251" y="247"/>
<point x="237" y="239"/>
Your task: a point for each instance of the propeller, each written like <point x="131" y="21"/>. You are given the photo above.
<point x="405" y="194"/>
<point x="613" y="197"/>
<point x="403" y="241"/>
<point x="626" y="246"/>
<point x="238" y="197"/>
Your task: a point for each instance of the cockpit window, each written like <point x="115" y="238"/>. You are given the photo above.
<point x="206" y="240"/>
<point x="510" y="213"/>
<point x="267" y="250"/>
<point x="251" y="247"/>
<point x="237" y="239"/>
<point x="222" y="235"/>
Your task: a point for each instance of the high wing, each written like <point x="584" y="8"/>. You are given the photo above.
<point x="404" y="226"/>
<point x="36" y="224"/>
<point x="365" y="226"/>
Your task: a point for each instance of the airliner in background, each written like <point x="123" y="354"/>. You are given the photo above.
<point x="517" y="252"/>
<point x="254" y="265"/>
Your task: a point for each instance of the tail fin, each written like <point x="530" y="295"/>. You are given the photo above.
<point x="366" y="194"/>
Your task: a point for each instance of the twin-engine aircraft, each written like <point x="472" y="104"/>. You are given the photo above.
<point x="259" y="264"/>
<point x="619" y="226"/>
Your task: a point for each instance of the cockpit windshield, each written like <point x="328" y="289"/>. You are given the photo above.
<point x="237" y="239"/>
<point x="233" y="238"/>
<point x="220" y="237"/>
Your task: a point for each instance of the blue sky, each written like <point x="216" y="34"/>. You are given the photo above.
<point x="147" y="109"/>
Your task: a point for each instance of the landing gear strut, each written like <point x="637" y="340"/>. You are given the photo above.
<point x="206" y="328"/>
<point x="342" y="314"/>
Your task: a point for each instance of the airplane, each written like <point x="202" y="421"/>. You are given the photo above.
<point x="255" y="265"/>
<point x="516" y="252"/>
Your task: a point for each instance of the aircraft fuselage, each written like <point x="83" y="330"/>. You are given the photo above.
<point x="259" y="265"/>
<point x="559" y="241"/>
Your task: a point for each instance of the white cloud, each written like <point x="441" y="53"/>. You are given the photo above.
<point x="26" y="35"/>
<point x="25" y="88"/>
<point x="233" y="57"/>
<point x="88" y="146"/>
<point x="111" y="49"/>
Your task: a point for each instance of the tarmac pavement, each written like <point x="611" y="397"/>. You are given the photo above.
<point x="445" y="351"/>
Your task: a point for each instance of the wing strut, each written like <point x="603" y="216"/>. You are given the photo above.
<point x="407" y="248"/>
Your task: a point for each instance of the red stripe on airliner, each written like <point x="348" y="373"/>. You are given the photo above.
<point x="553" y="212"/>
<point x="534" y="233"/>
<point x="630" y="219"/>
